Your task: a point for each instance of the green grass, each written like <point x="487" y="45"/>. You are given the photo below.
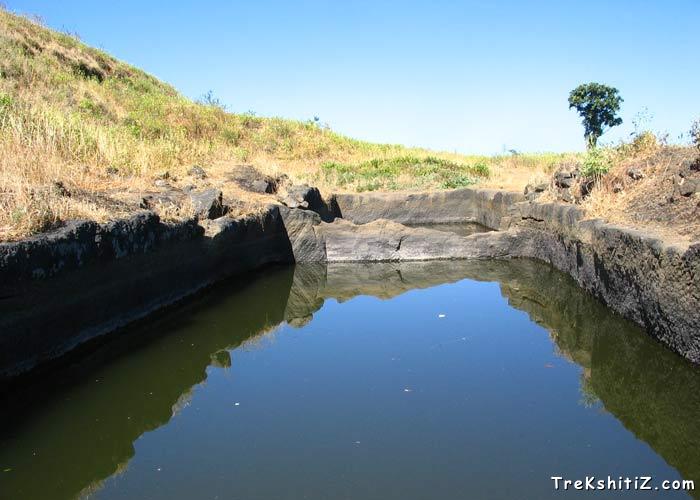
<point x="404" y="172"/>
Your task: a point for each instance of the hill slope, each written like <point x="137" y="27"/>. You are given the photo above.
<point x="84" y="135"/>
<point x="74" y="119"/>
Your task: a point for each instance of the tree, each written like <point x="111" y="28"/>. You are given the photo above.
<point x="598" y="105"/>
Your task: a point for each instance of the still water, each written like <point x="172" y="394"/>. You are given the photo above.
<point x="438" y="380"/>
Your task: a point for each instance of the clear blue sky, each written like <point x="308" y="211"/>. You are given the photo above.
<point x="470" y="76"/>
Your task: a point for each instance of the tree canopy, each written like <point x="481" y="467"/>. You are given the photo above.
<point x="598" y="105"/>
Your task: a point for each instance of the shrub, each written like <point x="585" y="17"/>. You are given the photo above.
<point x="645" y="142"/>
<point x="87" y="71"/>
<point x="91" y="107"/>
<point x="595" y="164"/>
<point x="458" y="181"/>
<point x="209" y="99"/>
<point x="481" y="169"/>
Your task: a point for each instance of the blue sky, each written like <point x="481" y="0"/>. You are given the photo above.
<point x="472" y="76"/>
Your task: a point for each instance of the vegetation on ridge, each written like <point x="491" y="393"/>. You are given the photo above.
<point x="84" y="135"/>
<point x="74" y="119"/>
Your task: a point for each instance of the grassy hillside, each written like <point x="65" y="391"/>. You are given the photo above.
<point x="84" y="135"/>
<point x="72" y="117"/>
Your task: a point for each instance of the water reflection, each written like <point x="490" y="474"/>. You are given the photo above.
<point x="652" y="391"/>
<point x="81" y="428"/>
<point x="79" y="431"/>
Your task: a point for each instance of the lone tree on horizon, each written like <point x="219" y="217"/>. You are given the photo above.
<point x="598" y="105"/>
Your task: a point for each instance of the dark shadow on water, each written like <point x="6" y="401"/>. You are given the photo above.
<point x="133" y="384"/>
<point x="80" y="428"/>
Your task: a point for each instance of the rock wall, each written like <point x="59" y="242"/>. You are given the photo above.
<point x="383" y="241"/>
<point x="487" y="207"/>
<point x="60" y="290"/>
<point x="80" y="243"/>
<point x="643" y="278"/>
<point x="654" y="284"/>
<point x="64" y="289"/>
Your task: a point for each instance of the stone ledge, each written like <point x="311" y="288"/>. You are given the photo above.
<point x="138" y="265"/>
<point x="490" y="208"/>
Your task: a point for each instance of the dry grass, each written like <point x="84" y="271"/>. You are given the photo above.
<point x="72" y="115"/>
<point x="84" y="135"/>
<point x="653" y="202"/>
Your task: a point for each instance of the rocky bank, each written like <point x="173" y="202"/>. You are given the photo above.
<point x="63" y="289"/>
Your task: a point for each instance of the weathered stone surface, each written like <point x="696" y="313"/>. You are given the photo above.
<point x="120" y="272"/>
<point x="689" y="187"/>
<point x="551" y="216"/>
<point x="301" y="226"/>
<point x="80" y="243"/>
<point x="197" y="172"/>
<point x="265" y="185"/>
<point x="533" y="191"/>
<point x="635" y="274"/>
<point x="539" y="187"/>
<point x="251" y="179"/>
<point x="208" y="204"/>
<point x="565" y="176"/>
<point x="307" y="197"/>
<point x="291" y="202"/>
<point x="44" y="255"/>
<point x="642" y="278"/>
<point x="652" y="284"/>
<point x="384" y="240"/>
<point x="167" y="199"/>
<point x="260" y="186"/>
<point x="490" y="208"/>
